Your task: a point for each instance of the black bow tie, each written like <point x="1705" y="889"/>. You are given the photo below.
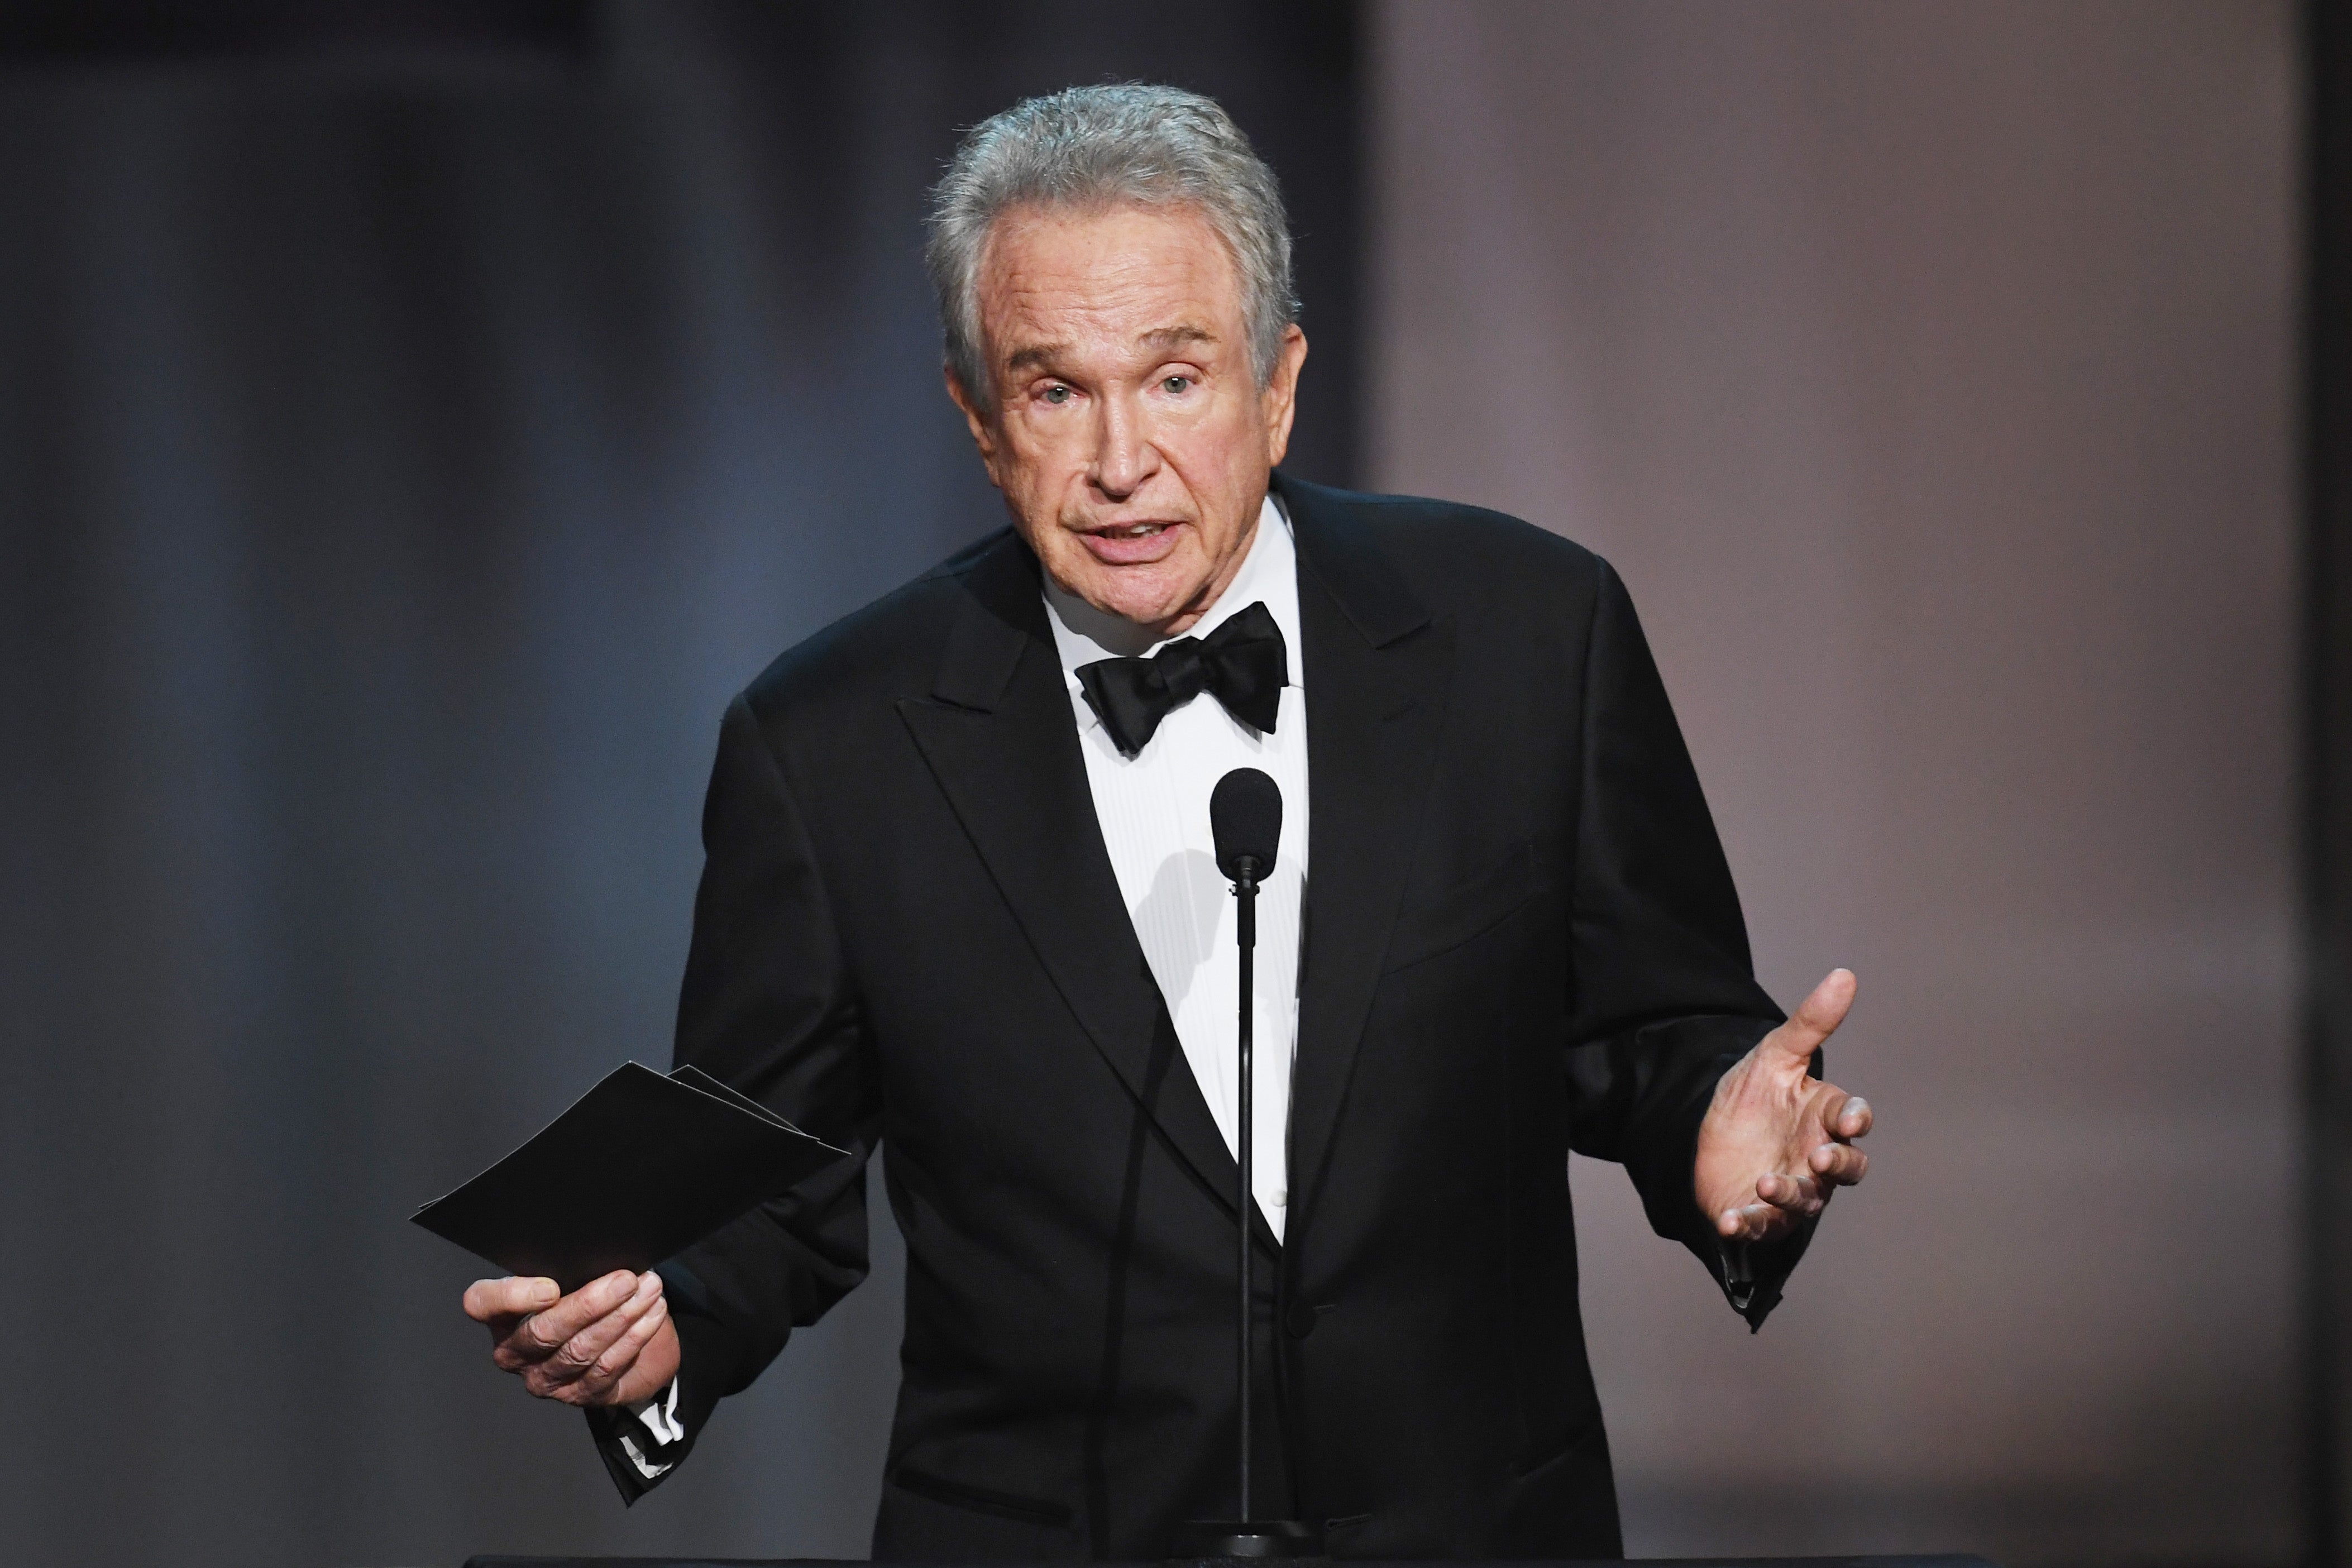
<point x="1244" y="662"/>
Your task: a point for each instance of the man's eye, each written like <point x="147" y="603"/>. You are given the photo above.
<point x="1057" y="396"/>
<point x="1176" y="384"/>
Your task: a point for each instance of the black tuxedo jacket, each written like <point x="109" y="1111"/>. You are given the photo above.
<point x="1520" y="938"/>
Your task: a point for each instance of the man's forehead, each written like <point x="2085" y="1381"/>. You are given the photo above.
<point x="1123" y="265"/>
<point x="1123" y="302"/>
<point x="1023" y="353"/>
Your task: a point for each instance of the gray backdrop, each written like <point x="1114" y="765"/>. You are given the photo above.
<point x="404" y="451"/>
<point x="1929" y="372"/>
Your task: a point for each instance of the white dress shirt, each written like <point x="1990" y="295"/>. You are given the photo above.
<point x="660" y="1413"/>
<point x="1154" y="812"/>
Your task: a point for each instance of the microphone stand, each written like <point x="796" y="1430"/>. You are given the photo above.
<point x="1245" y="1140"/>
<point x="1248" y="1537"/>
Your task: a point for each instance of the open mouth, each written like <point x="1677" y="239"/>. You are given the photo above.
<point x="1131" y="543"/>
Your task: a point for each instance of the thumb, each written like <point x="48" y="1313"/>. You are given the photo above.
<point x="1816" y="1017"/>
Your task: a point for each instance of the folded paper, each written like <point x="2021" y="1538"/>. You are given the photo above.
<point x="639" y="1168"/>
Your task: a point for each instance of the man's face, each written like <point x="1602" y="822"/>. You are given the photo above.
<point x="1131" y="441"/>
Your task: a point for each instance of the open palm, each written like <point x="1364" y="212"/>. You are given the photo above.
<point x="1776" y="1142"/>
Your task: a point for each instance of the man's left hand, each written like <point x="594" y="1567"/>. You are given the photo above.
<point x="1777" y="1142"/>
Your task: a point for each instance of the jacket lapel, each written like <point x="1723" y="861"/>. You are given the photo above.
<point x="999" y="735"/>
<point x="1376" y="669"/>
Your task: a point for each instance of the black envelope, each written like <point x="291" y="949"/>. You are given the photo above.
<point x="639" y="1168"/>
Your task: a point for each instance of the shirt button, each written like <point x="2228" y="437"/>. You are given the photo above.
<point x="1279" y="1200"/>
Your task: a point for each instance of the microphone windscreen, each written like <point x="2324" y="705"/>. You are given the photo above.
<point x="1245" y="817"/>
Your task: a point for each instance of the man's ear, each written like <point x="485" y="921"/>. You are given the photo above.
<point x="1281" y="398"/>
<point x="984" y="431"/>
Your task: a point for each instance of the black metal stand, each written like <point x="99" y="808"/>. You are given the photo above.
<point x="1213" y="1541"/>
<point x="1246" y="1538"/>
<point x="1245" y="1143"/>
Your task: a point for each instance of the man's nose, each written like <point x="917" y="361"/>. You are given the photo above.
<point x="1125" y="455"/>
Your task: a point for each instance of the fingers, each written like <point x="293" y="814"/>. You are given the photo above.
<point x="1755" y="1222"/>
<point x="544" y="1332"/>
<point x="607" y="1373"/>
<point x="486" y="1300"/>
<point x="601" y="1355"/>
<point x="1816" y="1017"/>
<point x="1784" y="1200"/>
<point x="1851" y="1118"/>
<point x="1838" y="1165"/>
<point x="1801" y="1196"/>
<point x="577" y="1356"/>
<point x="577" y="1349"/>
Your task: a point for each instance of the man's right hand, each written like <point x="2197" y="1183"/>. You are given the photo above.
<point x="609" y="1343"/>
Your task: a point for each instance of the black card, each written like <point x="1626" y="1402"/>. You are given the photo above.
<point x="641" y="1167"/>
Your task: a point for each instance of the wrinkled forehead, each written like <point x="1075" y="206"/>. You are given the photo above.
<point x="1112" y="277"/>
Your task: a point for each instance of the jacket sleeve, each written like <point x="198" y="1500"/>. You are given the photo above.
<point x="768" y="1007"/>
<point x="1666" y="998"/>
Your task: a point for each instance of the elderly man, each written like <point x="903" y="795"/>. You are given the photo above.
<point x="959" y="901"/>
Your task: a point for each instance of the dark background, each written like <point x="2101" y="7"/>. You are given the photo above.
<point x="417" y="419"/>
<point x="416" y="422"/>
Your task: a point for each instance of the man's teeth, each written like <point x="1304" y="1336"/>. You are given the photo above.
<point x="1140" y="531"/>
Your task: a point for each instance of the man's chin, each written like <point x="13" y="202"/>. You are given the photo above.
<point x="1144" y="611"/>
<point x="1147" y="594"/>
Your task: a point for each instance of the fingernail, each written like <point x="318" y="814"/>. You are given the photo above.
<point x="544" y="1293"/>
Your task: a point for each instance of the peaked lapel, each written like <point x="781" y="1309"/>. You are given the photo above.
<point x="1000" y="738"/>
<point x="1376" y="670"/>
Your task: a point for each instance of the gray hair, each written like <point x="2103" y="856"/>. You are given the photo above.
<point x="1088" y="147"/>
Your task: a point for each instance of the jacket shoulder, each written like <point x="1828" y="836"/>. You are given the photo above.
<point x="1456" y="554"/>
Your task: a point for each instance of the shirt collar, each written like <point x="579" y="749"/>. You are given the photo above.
<point x="1268" y="575"/>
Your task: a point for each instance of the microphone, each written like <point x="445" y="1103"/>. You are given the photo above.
<point x="1246" y="820"/>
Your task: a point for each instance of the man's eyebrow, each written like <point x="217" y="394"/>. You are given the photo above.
<point x="1036" y="356"/>
<point x="1175" y="337"/>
